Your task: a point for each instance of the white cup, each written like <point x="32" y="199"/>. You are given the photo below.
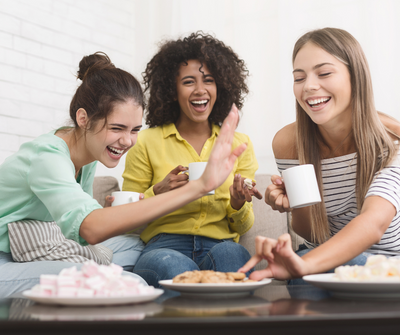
<point x="195" y="171"/>
<point x="124" y="197"/>
<point x="301" y="186"/>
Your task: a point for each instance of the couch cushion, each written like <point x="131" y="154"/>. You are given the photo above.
<point x="103" y="186"/>
<point x="33" y="240"/>
<point x="267" y="222"/>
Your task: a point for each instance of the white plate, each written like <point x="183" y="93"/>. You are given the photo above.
<point x="355" y="290"/>
<point x="214" y="290"/>
<point x="93" y="301"/>
<point x="91" y="313"/>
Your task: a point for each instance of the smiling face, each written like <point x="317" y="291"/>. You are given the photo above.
<point x="322" y="86"/>
<point x="109" y="143"/>
<point x="196" y="91"/>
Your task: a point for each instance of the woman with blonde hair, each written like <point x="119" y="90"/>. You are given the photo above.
<point x="354" y="150"/>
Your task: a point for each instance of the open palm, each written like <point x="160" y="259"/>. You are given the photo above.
<point x="222" y="158"/>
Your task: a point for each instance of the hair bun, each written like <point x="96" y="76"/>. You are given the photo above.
<point x="95" y="62"/>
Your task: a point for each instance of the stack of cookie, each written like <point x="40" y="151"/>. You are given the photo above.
<point x="209" y="276"/>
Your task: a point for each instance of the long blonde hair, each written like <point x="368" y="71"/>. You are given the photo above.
<point x="374" y="146"/>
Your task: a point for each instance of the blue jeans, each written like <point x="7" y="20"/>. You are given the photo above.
<point x="167" y="255"/>
<point x="16" y="277"/>
<point x="358" y="260"/>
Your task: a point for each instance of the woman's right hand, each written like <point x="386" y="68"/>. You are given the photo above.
<point x="173" y="180"/>
<point x="283" y="262"/>
<point x="222" y="157"/>
<point x="275" y="195"/>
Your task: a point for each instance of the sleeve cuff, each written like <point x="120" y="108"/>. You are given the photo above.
<point x="237" y="216"/>
<point x="149" y="193"/>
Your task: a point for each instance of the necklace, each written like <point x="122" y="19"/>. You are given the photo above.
<point x="331" y="153"/>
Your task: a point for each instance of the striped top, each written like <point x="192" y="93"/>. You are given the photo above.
<point x="339" y="179"/>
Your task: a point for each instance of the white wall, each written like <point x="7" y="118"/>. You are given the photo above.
<point x="41" y="44"/>
<point x="263" y="33"/>
<point x="42" y="41"/>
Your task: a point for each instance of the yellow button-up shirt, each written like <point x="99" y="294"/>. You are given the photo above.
<point x="158" y="151"/>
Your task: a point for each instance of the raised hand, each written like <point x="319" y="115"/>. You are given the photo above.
<point x="240" y="193"/>
<point x="173" y="180"/>
<point x="275" y="195"/>
<point x="283" y="263"/>
<point x="222" y="158"/>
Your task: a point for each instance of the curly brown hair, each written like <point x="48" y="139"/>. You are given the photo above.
<point x="229" y="72"/>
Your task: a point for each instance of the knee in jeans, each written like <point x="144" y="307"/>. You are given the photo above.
<point x="230" y="249"/>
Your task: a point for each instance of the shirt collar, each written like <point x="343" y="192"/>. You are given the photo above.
<point x="170" y="129"/>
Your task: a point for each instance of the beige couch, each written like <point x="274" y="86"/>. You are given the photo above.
<point x="267" y="222"/>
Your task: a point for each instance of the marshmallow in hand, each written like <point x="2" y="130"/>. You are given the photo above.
<point x="249" y="183"/>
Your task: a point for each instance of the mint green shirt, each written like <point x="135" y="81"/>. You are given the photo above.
<point x="38" y="182"/>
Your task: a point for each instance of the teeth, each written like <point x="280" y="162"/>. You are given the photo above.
<point x="317" y="101"/>
<point x="115" y="150"/>
<point x="199" y="102"/>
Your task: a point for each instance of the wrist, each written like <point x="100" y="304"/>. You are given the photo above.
<point x="237" y="204"/>
<point x="199" y="187"/>
<point x="309" y="267"/>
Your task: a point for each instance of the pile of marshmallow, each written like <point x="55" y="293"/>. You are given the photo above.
<point x="377" y="268"/>
<point x="92" y="281"/>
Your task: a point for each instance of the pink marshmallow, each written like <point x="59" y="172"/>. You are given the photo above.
<point x="48" y="280"/>
<point x="67" y="291"/>
<point x="84" y="292"/>
<point x="93" y="280"/>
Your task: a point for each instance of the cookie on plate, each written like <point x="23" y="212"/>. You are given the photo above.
<point x="217" y="277"/>
<point x="188" y="277"/>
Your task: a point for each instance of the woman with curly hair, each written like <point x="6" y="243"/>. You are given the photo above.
<point x="192" y="83"/>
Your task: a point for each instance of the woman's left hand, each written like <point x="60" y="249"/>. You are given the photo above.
<point x="240" y="193"/>
<point x="109" y="201"/>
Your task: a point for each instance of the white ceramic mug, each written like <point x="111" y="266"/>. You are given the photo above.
<point x="124" y="197"/>
<point x="195" y="171"/>
<point x="301" y="186"/>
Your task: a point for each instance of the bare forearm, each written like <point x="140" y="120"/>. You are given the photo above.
<point x="301" y="223"/>
<point x="360" y="233"/>
<point x="105" y="223"/>
<point x="350" y="242"/>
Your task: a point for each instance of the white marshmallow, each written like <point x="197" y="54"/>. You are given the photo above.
<point x="249" y="183"/>
<point x="377" y="268"/>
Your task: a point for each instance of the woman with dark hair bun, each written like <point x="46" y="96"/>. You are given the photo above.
<point x="47" y="185"/>
<point x="192" y="84"/>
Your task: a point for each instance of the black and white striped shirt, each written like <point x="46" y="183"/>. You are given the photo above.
<point x="339" y="179"/>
